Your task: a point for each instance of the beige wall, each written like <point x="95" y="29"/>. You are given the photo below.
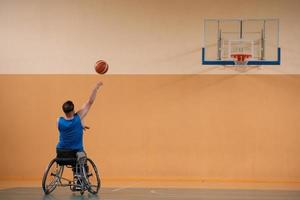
<point x="225" y="127"/>
<point x="134" y="36"/>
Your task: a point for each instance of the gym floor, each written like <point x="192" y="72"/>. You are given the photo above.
<point x="151" y="193"/>
<point x="31" y="190"/>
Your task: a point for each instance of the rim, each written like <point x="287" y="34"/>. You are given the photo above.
<point x="51" y="176"/>
<point x="92" y="177"/>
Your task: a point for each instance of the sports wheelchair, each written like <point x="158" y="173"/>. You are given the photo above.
<point x="85" y="173"/>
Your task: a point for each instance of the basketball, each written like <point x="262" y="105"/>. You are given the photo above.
<point x="101" y="67"/>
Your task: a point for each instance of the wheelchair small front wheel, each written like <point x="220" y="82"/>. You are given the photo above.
<point x="51" y="176"/>
<point x="91" y="177"/>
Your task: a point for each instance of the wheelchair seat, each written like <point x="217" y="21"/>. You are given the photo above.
<point x="66" y="157"/>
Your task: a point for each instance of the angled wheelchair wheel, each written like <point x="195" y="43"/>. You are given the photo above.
<point x="91" y="177"/>
<point x="52" y="176"/>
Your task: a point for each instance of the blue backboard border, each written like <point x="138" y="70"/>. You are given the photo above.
<point x="250" y="62"/>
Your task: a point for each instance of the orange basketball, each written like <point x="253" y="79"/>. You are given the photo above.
<point x="101" y="67"/>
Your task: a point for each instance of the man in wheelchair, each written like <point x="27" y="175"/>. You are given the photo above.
<point x="70" y="150"/>
<point x="71" y="125"/>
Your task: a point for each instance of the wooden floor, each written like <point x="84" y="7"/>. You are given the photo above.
<point x="35" y="193"/>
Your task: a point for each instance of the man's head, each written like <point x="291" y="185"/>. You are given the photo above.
<point x="68" y="107"/>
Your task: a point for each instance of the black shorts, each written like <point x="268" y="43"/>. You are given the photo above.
<point x="66" y="156"/>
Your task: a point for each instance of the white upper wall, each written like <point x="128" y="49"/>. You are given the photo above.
<point x="134" y="36"/>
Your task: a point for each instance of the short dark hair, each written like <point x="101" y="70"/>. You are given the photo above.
<point x="68" y="106"/>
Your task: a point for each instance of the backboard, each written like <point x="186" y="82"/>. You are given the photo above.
<point x="256" y="38"/>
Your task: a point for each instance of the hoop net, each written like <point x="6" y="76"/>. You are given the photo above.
<point x="241" y="59"/>
<point x="240" y="51"/>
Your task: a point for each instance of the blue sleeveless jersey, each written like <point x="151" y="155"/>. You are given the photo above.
<point x="70" y="133"/>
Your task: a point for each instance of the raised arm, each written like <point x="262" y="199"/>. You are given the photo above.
<point x="86" y="107"/>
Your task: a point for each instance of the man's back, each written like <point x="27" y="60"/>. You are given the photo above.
<point x="70" y="133"/>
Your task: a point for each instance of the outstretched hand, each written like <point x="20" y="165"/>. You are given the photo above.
<point x="98" y="85"/>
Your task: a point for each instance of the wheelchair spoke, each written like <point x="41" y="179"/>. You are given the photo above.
<point x="52" y="183"/>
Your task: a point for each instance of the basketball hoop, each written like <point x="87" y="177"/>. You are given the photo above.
<point x="241" y="59"/>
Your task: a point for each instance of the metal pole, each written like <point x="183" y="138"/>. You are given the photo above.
<point x="263" y="38"/>
<point x="219" y="46"/>
<point x="241" y="29"/>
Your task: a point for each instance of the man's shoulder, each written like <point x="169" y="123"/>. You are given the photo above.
<point x="77" y="116"/>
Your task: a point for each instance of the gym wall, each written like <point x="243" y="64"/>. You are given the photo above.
<point x="160" y="115"/>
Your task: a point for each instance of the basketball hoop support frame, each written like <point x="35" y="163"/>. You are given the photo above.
<point x="257" y="58"/>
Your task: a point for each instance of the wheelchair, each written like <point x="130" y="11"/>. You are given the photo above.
<point x="85" y="173"/>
